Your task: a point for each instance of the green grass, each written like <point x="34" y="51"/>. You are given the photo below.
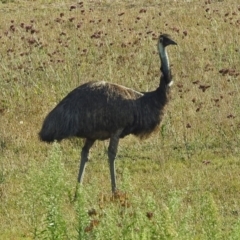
<point x="182" y="182"/>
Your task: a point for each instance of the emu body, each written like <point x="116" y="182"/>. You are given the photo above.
<point x="101" y="110"/>
<point x="96" y="110"/>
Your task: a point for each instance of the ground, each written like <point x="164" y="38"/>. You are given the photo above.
<point x="182" y="182"/>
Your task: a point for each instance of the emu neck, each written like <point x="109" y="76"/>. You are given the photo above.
<point x="164" y="65"/>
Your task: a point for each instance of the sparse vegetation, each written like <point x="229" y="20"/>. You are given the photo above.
<point x="183" y="182"/>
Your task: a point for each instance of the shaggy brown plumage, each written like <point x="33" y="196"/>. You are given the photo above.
<point x="101" y="110"/>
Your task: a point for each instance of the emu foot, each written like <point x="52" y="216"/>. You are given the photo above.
<point x="121" y="198"/>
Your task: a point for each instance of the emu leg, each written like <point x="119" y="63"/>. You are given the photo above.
<point x="112" y="152"/>
<point x="84" y="158"/>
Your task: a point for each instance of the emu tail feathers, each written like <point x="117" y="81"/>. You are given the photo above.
<point x="47" y="133"/>
<point x="58" y="124"/>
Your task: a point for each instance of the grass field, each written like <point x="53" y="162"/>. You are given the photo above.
<point x="181" y="183"/>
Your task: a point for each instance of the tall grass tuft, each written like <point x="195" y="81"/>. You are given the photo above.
<point x="209" y="216"/>
<point x="235" y="234"/>
<point x="82" y="219"/>
<point x="44" y="194"/>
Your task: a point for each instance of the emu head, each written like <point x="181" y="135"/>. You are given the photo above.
<point x="163" y="41"/>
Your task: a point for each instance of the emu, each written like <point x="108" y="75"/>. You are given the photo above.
<point x="100" y="110"/>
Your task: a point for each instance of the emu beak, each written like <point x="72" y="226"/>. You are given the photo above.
<point x="169" y="41"/>
<point x="172" y="42"/>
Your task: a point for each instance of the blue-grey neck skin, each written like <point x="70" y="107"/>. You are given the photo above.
<point x="165" y="68"/>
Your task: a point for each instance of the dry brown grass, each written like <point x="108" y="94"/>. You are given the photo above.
<point x="50" y="47"/>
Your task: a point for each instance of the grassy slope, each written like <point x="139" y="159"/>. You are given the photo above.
<point x="47" y="49"/>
